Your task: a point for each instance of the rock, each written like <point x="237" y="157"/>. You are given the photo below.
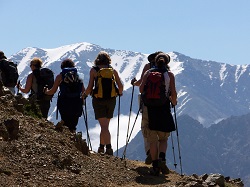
<point x="4" y="132"/>
<point x="217" y="179"/>
<point x="12" y="127"/>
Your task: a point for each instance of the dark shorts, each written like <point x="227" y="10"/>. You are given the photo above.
<point x="44" y="106"/>
<point x="70" y="121"/>
<point x="104" y="108"/>
<point x="70" y="106"/>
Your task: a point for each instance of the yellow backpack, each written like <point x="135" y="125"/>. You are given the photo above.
<point x="105" y="86"/>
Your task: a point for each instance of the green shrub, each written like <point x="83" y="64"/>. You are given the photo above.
<point x="32" y="109"/>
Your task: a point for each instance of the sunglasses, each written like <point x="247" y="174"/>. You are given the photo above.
<point x="32" y="65"/>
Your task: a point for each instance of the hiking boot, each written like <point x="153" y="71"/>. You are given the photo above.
<point x="78" y="136"/>
<point x="155" y="171"/>
<point x="59" y="125"/>
<point x="109" y="151"/>
<point x="163" y="167"/>
<point x="148" y="159"/>
<point x="100" y="150"/>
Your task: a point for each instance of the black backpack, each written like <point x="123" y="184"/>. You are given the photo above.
<point x="154" y="93"/>
<point x="69" y="102"/>
<point x="44" y="78"/>
<point x="9" y="73"/>
<point x="71" y="85"/>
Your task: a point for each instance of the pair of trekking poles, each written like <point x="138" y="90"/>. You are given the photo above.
<point x="129" y="134"/>
<point x="85" y="117"/>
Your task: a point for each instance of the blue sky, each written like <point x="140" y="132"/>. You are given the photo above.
<point x="216" y="30"/>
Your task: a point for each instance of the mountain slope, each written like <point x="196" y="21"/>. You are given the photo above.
<point x="33" y="153"/>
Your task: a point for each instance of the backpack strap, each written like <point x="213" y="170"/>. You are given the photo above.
<point x="96" y="68"/>
<point x="151" y="65"/>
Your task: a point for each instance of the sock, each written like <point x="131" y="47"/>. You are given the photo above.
<point x="101" y="146"/>
<point x="162" y="156"/>
<point x="155" y="163"/>
<point x="108" y="146"/>
<point x="148" y="152"/>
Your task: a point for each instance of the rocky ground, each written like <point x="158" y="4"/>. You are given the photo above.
<point x="33" y="153"/>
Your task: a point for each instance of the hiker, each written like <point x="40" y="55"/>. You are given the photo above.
<point x="8" y="73"/>
<point x="160" y="120"/>
<point x="144" y="122"/>
<point x="33" y="85"/>
<point x="104" y="96"/>
<point x="70" y="102"/>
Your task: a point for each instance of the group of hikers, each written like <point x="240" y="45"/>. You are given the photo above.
<point x="156" y="85"/>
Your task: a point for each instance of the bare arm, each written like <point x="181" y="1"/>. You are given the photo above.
<point x="118" y="82"/>
<point x="173" y="97"/>
<point x="138" y="82"/>
<point x="28" y="84"/>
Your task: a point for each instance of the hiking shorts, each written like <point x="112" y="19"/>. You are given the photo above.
<point x="44" y="106"/>
<point x="144" y="120"/>
<point x="70" y="121"/>
<point x="144" y="126"/>
<point x="104" y="108"/>
<point x="154" y="136"/>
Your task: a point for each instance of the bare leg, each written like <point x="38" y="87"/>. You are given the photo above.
<point x="163" y="146"/>
<point x="105" y="137"/>
<point x="154" y="150"/>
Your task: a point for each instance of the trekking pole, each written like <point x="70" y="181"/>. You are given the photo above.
<point x="130" y="110"/>
<point x="125" y="149"/>
<point x="119" y="102"/>
<point x="175" y="164"/>
<point x="86" y="124"/>
<point x="177" y="133"/>
<point x="18" y="84"/>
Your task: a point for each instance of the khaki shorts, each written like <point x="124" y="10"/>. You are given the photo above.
<point x="155" y="136"/>
<point x="104" y="108"/>
<point x="151" y="135"/>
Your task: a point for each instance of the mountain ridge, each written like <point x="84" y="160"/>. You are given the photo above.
<point x="34" y="153"/>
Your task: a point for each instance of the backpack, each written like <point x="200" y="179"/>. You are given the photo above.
<point x="69" y="102"/>
<point x="44" y="78"/>
<point x="71" y="85"/>
<point x="154" y="93"/>
<point x="105" y="86"/>
<point x="9" y="73"/>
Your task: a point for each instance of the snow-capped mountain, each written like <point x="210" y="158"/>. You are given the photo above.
<point x="207" y="91"/>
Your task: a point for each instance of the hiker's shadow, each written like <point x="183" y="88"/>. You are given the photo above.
<point x="146" y="178"/>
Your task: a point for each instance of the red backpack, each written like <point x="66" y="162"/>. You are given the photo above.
<point x="154" y="93"/>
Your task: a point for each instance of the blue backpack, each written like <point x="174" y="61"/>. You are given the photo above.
<point x="71" y="85"/>
<point x="69" y="100"/>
